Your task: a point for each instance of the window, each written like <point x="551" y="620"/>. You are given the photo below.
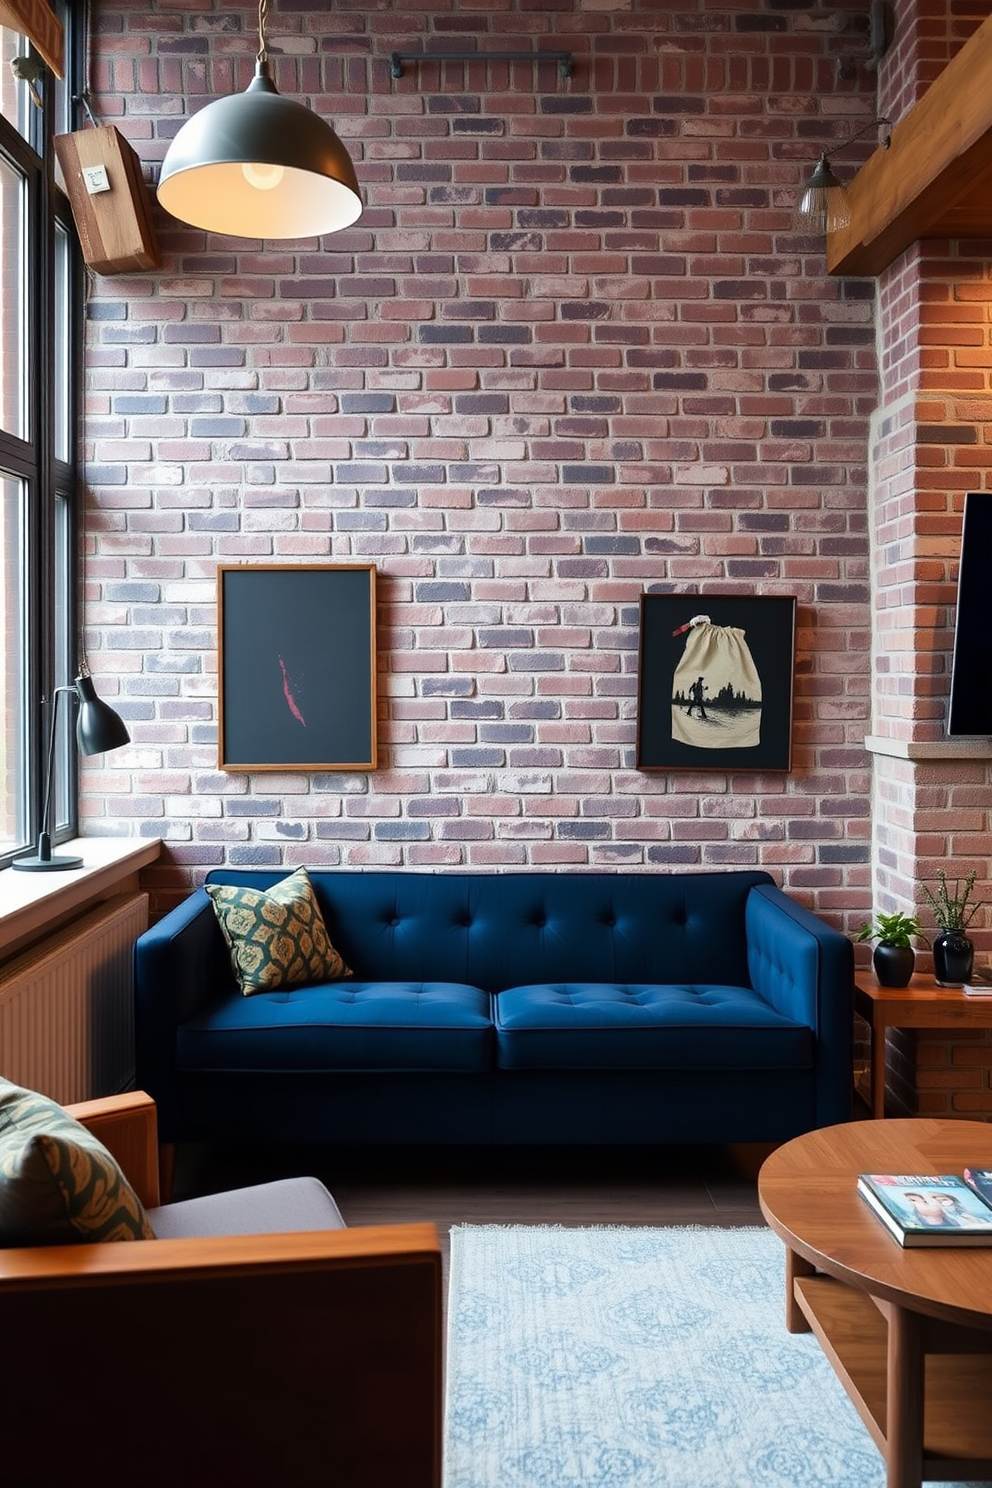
<point x="40" y="298"/>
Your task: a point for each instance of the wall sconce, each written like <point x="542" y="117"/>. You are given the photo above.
<point x="824" y="203"/>
<point x="259" y="165"/>
<point x="877" y="27"/>
<point x="98" y="728"/>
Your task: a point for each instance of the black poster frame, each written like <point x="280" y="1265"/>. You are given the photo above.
<point x="769" y="626"/>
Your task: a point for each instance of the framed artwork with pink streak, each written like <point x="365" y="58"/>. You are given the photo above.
<point x="297" y="666"/>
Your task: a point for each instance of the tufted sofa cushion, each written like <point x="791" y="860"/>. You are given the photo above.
<point x="592" y="1025"/>
<point x="517" y="929"/>
<point x="344" y="1026"/>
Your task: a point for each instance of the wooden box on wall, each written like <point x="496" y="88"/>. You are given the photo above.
<point x="114" y="220"/>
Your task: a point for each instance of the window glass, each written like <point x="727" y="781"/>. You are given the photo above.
<point x="65" y="796"/>
<point x="13" y="301"/>
<point x="16" y="101"/>
<point x="13" y="781"/>
<point x="62" y="431"/>
<point x="62" y="89"/>
<point x="40" y="288"/>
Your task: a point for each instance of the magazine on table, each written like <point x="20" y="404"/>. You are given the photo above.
<point x="932" y="1208"/>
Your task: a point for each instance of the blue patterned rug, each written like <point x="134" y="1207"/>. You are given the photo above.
<point x="638" y="1358"/>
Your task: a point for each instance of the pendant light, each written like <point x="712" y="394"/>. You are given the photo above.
<point x="259" y="165"/>
<point x="824" y="204"/>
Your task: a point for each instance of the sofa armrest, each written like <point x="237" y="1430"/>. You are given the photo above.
<point x="273" y="1358"/>
<point x="128" y="1128"/>
<point x="805" y="969"/>
<point x="181" y="966"/>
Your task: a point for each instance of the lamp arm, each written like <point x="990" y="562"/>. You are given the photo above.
<point x="858" y="133"/>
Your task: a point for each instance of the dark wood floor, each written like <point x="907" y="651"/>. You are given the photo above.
<point x="451" y="1186"/>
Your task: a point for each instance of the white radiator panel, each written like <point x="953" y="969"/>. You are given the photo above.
<point x="67" y="1009"/>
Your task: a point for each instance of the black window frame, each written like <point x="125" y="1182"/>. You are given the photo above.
<point x="51" y="617"/>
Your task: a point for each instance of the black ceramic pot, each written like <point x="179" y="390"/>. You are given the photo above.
<point x="953" y="958"/>
<point x="893" y="964"/>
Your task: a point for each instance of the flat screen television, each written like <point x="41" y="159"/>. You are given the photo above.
<point x="969" y="708"/>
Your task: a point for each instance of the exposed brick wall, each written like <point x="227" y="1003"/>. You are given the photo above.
<point x="931" y="443"/>
<point x="576" y="348"/>
<point x="938" y="1074"/>
<point x="926" y="35"/>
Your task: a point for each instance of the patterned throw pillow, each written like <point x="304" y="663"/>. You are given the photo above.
<point x="58" y="1184"/>
<point x="277" y="937"/>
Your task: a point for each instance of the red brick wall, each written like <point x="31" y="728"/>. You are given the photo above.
<point x="576" y="348"/>
<point x="926" y="35"/>
<point x="938" y="1074"/>
<point x="931" y="443"/>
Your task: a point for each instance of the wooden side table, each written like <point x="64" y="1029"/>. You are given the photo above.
<point x="920" y="1005"/>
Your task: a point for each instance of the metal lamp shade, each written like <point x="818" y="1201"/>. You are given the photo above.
<point x="824" y="200"/>
<point x="260" y="166"/>
<point x="98" y="727"/>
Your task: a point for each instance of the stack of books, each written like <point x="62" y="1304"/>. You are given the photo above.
<point x="932" y="1208"/>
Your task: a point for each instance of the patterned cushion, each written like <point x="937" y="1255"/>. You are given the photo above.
<point x="277" y="937"/>
<point x="58" y="1184"/>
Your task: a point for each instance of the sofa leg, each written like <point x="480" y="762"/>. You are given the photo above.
<point x="166" y="1171"/>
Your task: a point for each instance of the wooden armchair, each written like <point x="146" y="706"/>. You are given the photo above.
<point x="286" y="1359"/>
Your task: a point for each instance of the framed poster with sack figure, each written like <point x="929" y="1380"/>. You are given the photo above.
<point x="714" y="687"/>
<point x="297" y="654"/>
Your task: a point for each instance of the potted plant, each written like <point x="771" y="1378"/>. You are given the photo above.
<point x="893" y="957"/>
<point x="953" y="909"/>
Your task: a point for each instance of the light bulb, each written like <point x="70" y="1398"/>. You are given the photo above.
<point x="262" y="177"/>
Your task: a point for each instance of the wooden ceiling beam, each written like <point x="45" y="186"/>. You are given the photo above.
<point x="935" y="179"/>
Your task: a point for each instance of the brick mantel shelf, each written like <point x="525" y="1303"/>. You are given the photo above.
<point x="935" y="749"/>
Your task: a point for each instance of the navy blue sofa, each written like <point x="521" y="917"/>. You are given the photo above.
<point x="545" y="1007"/>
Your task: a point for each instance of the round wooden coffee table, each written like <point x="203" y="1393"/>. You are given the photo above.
<point x="908" y="1332"/>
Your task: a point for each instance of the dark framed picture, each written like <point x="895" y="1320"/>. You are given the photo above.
<point x="297" y="655"/>
<point x="714" y="687"/>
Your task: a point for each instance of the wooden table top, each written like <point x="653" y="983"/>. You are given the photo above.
<point x="808" y="1194"/>
<point x="923" y="998"/>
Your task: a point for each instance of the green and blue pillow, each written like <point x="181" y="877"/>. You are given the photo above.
<point x="276" y="937"/>
<point x="58" y="1184"/>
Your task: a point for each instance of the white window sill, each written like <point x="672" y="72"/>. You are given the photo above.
<point x="33" y="904"/>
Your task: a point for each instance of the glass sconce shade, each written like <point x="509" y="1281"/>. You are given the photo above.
<point x="824" y="201"/>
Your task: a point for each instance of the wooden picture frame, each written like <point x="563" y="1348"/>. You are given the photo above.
<point x="715" y="696"/>
<point x="297" y="666"/>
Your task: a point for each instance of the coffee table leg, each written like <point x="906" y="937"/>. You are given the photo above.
<point x="904" y="1400"/>
<point x="795" y="1265"/>
<point x="877" y="1067"/>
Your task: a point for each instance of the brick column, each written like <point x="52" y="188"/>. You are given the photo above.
<point x="931" y="444"/>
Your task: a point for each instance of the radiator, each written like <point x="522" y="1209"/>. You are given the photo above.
<point x="66" y="1005"/>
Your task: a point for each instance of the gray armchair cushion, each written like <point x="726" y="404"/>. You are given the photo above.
<point x="264" y="1209"/>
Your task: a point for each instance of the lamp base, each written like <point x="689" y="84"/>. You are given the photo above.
<point x="36" y="864"/>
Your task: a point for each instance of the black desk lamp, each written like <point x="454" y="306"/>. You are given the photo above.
<point x="98" y="728"/>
